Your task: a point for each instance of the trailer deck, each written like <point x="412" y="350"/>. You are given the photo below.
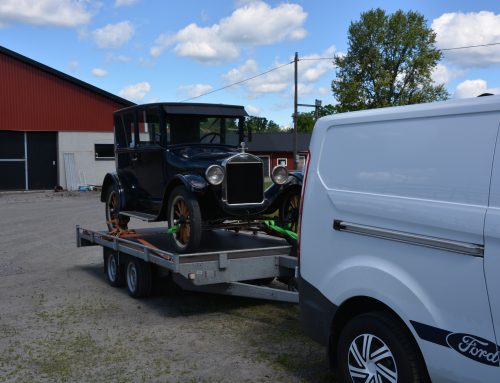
<point x="224" y="265"/>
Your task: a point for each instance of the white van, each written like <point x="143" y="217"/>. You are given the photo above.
<point x="400" y="242"/>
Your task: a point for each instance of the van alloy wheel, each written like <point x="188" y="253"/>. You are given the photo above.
<point x="370" y="360"/>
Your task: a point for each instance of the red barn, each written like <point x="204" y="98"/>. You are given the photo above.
<point x="54" y="128"/>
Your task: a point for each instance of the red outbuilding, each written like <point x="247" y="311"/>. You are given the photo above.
<point x="54" y="128"/>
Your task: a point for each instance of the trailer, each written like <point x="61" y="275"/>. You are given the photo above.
<point x="230" y="262"/>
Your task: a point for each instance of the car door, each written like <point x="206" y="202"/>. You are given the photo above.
<point x="492" y="247"/>
<point x="148" y="160"/>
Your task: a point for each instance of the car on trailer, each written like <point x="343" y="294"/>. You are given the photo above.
<point x="186" y="163"/>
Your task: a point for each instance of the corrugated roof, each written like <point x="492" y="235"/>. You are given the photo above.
<point x="64" y="76"/>
<point x="278" y="142"/>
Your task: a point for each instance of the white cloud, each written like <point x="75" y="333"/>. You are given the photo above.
<point x="73" y="65"/>
<point x="110" y="57"/>
<point x="254" y="23"/>
<point x="473" y="88"/>
<point x="122" y="3"/>
<point x="310" y="69"/>
<point x="61" y="13"/>
<point x="99" y="72"/>
<point x="135" y="92"/>
<point x="324" y="91"/>
<point x="442" y="74"/>
<point x="193" y="90"/>
<point x="252" y="110"/>
<point x="113" y="35"/>
<point x="467" y="29"/>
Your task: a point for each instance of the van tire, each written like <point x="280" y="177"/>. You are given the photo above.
<point x="139" y="278"/>
<point x="381" y="329"/>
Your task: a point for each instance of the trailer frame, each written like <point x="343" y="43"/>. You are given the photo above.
<point x="223" y="271"/>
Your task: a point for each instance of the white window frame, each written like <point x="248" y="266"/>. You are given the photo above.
<point x="268" y="163"/>
<point x="278" y="160"/>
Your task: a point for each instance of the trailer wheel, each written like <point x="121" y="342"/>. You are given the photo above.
<point x="289" y="209"/>
<point x="113" y="219"/>
<point x="139" y="278"/>
<point x="114" y="271"/>
<point x="376" y="347"/>
<point x="184" y="210"/>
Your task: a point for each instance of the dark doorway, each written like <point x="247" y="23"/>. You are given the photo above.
<point x="12" y="161"/>
<point x="42" y="160"/>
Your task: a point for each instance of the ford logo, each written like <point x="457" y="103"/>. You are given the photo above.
<point x="474" y="347"/>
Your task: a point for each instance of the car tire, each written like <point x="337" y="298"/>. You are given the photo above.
<point x="289" y="209"/>
<point x="114" y="271"/>
<point x="365" y="335"/>
<point x="183" y="206"/>
<point x="139" y="278"/>
<point x="112" y="208"/>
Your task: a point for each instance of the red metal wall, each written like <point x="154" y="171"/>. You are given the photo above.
<point x="32" y="99"/>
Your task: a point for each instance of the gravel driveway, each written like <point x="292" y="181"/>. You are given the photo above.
<point x="61" y="322"/>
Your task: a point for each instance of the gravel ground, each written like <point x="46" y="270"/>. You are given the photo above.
<point x="61" y="322"/>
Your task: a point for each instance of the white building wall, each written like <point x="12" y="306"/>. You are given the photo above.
<point x="81" y="144"/>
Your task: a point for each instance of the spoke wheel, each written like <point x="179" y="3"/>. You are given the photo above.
<point x="113" y="219"/>
<point x="184" y="212"/>
<point x="289" y="210"/>
<point x="376" y="347"/>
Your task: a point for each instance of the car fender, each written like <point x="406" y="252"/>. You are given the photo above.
<point x="193" y="182"/>
<point x="275" y="193"/>
<point x="121" y="184"/>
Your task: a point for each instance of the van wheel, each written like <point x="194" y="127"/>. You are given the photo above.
<point x="139" y="278"/>
<point x="289" y="209"/>
<point x="184" y="212"/>
<point x="113" y="219"/>
<point x="114" y="271"/>
<point x="375" y="347"/>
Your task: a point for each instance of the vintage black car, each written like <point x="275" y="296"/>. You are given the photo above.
<point x="187" y="164"/>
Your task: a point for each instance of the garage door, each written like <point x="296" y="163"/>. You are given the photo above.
<point x="28" y="160"/>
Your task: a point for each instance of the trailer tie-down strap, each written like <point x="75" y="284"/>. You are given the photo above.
<point x="271" y="225"/>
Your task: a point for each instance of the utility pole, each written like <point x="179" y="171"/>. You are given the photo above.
<point x="295" y="115"/>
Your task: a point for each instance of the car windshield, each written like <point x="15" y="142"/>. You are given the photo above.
<point x="191" y="129"/>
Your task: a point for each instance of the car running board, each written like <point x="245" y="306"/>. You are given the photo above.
<point x="139" y="215"/>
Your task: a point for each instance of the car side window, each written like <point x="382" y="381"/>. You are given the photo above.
<point x="149" y="124"/>
<point x="125" y="130"/>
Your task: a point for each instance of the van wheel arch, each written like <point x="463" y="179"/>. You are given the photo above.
<point x="358" y="306"/>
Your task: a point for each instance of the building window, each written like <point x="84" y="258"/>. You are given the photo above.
<point x="282" y="161"/>
<point x="302" y="162"/>
<point x="104" y="151"/>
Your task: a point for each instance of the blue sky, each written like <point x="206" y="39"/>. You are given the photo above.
<point x="150" y="51"/>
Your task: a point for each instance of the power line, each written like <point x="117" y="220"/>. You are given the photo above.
<point x="238" y="82"/>
<point x="470" y="46"/>
<point x="315" y="59"/>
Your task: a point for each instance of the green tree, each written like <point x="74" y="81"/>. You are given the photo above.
<point x="262" y="125"/>
<point x="389" y="62"/>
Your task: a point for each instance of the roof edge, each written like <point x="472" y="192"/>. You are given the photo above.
<point x="64" y="76"/>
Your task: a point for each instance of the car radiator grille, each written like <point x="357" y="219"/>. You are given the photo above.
<point x="244" y="183"/>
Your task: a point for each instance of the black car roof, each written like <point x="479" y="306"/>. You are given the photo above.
<point x="192" y="109"/>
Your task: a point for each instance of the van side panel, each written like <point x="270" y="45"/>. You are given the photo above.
<point x="419" y="189"/>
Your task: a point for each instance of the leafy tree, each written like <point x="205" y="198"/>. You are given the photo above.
<point x="262" y="125"/>
<point x="389" y="62"/>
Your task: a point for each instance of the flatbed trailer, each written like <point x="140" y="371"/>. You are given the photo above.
<point x="228" y="263"/>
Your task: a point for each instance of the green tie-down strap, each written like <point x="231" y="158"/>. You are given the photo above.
<point x="174" y="229"/>
<point x="272" y="225"/>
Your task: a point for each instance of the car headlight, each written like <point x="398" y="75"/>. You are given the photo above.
<point x="279" y="175"/>
<point x="214" y="174"/>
